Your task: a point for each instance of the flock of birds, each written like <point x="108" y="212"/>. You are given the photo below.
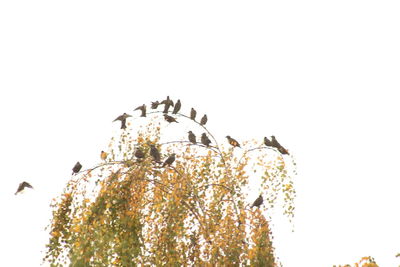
<point x="155" y="154"/>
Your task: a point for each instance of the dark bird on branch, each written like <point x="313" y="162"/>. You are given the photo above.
<point x="139" y="153"/>
<point x="76" y="168"/>
<point x="154" y="153"/>
<point x="154" y="105"/>
<point x="204" y="140"/>
<point x="122" y="118"/>
<point x="169" y="160"/>
<point x="143" y="109"/>
<point x="22" y="186"/>
<point x="258" y="202"/>
<point x="177" y="107"/>
<point x="203" y="120"/>
<point x="193" y="114"/>
<point x="192" y="137"/>
<point x="232" y="141"/>
<point x="169" y="118"/>
<point x="267" y="142"/>
<point x="280" y="148"/>
<point x="167" y="103"/>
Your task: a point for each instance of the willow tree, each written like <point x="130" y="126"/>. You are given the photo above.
<point x="127" y="211"/>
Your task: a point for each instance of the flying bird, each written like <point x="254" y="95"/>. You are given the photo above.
<point x="139" y="153"/>
<point x="169" y="160"/>
<point x="143" y="109"/>
<point x="203" y="120"/>
<point x="177" y="106"/>
<point x="169" y="118"/>
<point x="193" y="114"/>
<point x="154" y="153"/>
<point x="232" y="141"/>
<point x="123" y="118"/>
<point x="154" y="105"/>
<point x="192" y="137"/>
<point x="22" y="186"/>
<point x="257" y="203"/>
<point x="204" y="140"/>
<point x="76" y="168"/>
<point x="280" y="148"/>
<point x="103" y="155"/>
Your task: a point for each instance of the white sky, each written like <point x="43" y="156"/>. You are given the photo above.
<point x="320" y="75"/>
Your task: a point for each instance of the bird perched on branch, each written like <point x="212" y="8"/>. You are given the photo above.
<point x="103" y="155"/>
<point x="169" y="160"/>
<point x="192" y="137"/>
<point x="142" y="108"/>
<point x="155" y="154"/>
<point x="203" y="120"/>
<point x="22" y="186"/>
<point x="232" y="141"/>
<point x="177" y="106"/>
<point x="204" y="140"/>
<point x="280" y="148"/>
<point x="167" y="103"/>
<point x="139" y="154"/>
<point x="154" y="105"/>
<point x="123" y="118"/>
<point x="76" y="168"/>
<point x="169" y="118"/>
<point x="267" y="142"/>
<point x="258" y="202"/>
<point x="193" y="114"/>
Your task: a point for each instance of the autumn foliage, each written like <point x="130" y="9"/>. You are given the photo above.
<point x="127" y="211"/>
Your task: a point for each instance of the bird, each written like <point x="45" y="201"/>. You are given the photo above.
<point x="154" y="153"/>
<point x="177" y="106"/>
<point x="103" y="155"/>
<point x="123" y="118"/>
<point x="139" y="153"/>
<point x="232" y="141"/>
<point x="76" y="168"/>
<point x="22" y="187"/>
<point x="193" y="114"/>
<point x="169" y="118"/>
<point x="257" y="203"/>
<point x="278" y="146"/>
<point x="204" y="140"/>
<point x="154" y="105"/>
<point x="203" y="120"/>
<point x="169" y="160"/>
<point x="167" y="103"/>
<point x="192" y="137"/>
<point x="143" y="109"/>
<point x="267" y="142"/>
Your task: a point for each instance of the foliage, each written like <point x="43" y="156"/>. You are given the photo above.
<point x="364" y="262"/>
<point x="128" y="212"/>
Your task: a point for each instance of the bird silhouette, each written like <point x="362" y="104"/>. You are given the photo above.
<point x="169" y="160"/>
<point x="139" y="154"/>
<point x="122" y="118"/>
<point x="177" y="106"/>
<point x="203" y="120"/>
<point x="22" y="186"/>
<point x="278" y="146"/>
<point x="76" y="168"/>
<point x="267" y="142"/>
<point x="193" y="114"/>
<point x="155" y="154"/>
<point x="103" y="155"/>
<point x="258" y="202"/>
<point x="142" y="108"/>
<point x="232" y="141"/>
<point x="154" y="105"/>
<point x="169" y="118"/>
<point x="167" y="103"/>
<point x="204" y="140"/>
<point x="192" y="137"/>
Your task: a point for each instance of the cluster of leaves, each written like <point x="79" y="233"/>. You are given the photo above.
<point x="364" y="262"/>
<point x="128" y="212"/>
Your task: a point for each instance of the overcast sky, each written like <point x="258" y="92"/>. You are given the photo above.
<point x="322" y="76"/>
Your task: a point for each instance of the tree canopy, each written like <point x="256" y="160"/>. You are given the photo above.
<point x="193" y="210"/>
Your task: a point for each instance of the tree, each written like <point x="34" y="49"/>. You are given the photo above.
<point x="129" y="211"/>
